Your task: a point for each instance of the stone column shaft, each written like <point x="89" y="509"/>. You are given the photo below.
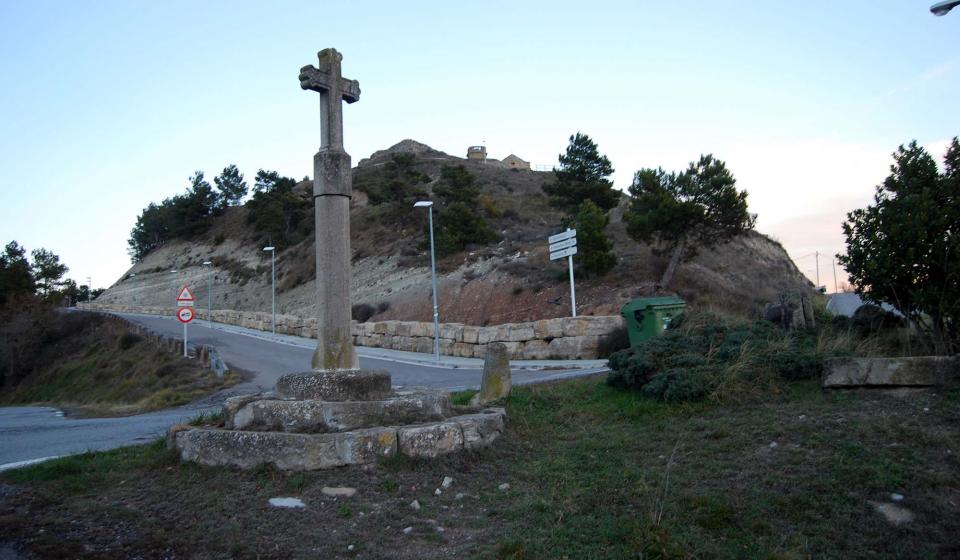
<point x="331" y="191"/>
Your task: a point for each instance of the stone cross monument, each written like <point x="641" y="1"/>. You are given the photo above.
<point x="331" y="194"/>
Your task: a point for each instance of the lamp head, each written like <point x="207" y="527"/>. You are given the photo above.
<point x="423" y="204"/>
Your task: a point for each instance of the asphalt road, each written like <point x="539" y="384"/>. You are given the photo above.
<point x="36" y="433"/>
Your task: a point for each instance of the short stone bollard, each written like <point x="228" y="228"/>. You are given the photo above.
<point x="497" y="379"/>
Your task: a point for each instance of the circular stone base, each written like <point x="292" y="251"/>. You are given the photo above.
<point x="338" y="385"/>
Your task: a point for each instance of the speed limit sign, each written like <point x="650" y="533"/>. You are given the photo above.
<point x="185" y="315"/>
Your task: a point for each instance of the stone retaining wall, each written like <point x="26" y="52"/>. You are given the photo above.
<point x="565" y="338"/>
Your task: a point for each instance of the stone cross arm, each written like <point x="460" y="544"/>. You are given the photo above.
<point x="318" y="80"/>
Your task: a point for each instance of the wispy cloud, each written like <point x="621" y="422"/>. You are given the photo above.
<point x="921" y="79"/>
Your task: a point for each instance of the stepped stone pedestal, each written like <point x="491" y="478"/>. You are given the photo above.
<point x="321" y="420"/>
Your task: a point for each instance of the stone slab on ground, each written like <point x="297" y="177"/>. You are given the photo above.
<point x="302" y="452"/>
<point x="925" y="371"/>
<point x="314" y="416"/>
<point x="336" y="385"/>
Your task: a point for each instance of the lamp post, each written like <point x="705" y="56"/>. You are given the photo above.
<point x="273" y="287"/>
<point x="428" y="204"/>
<point x="89" y="289"/>
<point x="941" y="8"/>
<point x="209" y="295"/>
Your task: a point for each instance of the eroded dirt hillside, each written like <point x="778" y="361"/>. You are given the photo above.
<point x="509" y="281"/>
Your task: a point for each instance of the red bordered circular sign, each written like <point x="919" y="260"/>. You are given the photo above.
<point x="185" y="314"/>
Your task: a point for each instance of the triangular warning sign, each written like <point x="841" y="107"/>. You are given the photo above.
<point x="185" y="294"/>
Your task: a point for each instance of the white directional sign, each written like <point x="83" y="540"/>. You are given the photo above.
<point x="563" y="253"/>
<point x="572" y="242"/>
<point x="562" y="235"/>
<point x="564" y="244"/>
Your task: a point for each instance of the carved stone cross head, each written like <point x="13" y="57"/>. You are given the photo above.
<point x="333" y="87"/>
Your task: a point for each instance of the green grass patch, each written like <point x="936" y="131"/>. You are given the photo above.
<point x="462" y="398"/>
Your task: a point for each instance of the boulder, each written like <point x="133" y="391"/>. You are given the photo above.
<point x="431" y="440"/>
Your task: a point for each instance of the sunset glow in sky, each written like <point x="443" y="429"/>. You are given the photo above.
<point x="109" y="106"/>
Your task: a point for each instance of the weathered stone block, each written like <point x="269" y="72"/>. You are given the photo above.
<point x="404" y="329"/>
<point x="548" y="328"/>
<point x="480" y="430"/>
<point x="871" y="372"/>
<point x="471" y="334"/>
<point x="486" y="335"/>
<point x="424" y="345"/>
<point x="380" y="327"/>
<point x="536" y="350"/>
<point x="463" y="350"/>
<point x="431" y="440"/>
<point x="451" y="331"/>
<point x="285" y="451"/>
<point x="314" y="416"/>
<point x="341" y="385"/>
<point x="520" y="332"/>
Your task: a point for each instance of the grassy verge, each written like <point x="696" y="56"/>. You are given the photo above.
<point x="594" y="472"/>
<point x="98" y="368"/>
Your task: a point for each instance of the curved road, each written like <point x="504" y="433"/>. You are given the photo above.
<point x="29" y="434"/>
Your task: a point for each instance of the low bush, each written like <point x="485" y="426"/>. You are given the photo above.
<point x="362" y="312"/>
<point x="612" y="342"/>
<point x="129" y="340"/>
<point x="717" y="358"/>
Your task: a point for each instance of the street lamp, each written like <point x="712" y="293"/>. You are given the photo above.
<point x="273" y="287"/>
<point x="428" y="204"/>
<point x="941" y="8"/>
<point x="89" y="289"/>
<point x="209" y="295"/>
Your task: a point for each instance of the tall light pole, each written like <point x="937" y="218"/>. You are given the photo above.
<point x="273" y="287"/>
<point x="209" y="295"/>
<point x="428" y="204"/>
<point x="89" y="289"/>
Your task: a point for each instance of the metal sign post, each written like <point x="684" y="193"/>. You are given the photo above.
<point x="185" y="313"/>
<point x="564" y="244"/>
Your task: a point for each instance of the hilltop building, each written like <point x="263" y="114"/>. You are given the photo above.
<point x="479" y="154"/>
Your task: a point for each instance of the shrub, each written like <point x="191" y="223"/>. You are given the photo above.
<point x="128" y="340"/>
<point x="699" y="358"/>
<point x="871" y="319"/>
<point x="383" y="306"/>
<point x="362" y="312"/>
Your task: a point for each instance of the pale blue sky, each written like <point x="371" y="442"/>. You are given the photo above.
<point x="108" y="106"/>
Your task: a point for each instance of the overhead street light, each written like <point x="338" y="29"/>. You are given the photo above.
<point x="209" y="295"/>
<point x="428" y="204"/>
<point x="941" y="8"/>
<point x="273" y="287"/>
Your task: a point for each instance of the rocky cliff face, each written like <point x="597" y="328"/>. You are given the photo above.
<point x="511" y="281"/>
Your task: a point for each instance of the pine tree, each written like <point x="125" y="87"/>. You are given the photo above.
<point x="594" y="251"/>
<point x="582" y="175"/>
<point x="682" y="213"/>
<point x="231" y="185"/>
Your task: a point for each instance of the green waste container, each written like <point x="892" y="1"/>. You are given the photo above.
<point x="649" y="317"/>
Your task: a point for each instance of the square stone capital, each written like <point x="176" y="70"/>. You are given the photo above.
<point x="332" y="174"/>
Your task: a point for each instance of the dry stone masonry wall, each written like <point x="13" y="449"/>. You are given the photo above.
<point x="563" y="338"/>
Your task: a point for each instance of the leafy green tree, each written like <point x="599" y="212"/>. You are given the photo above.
<point x="48" y="271"/>
<point x="680" y="213"/>
<point x="231" y="185"/>
<point x="904" y="249"/>
<point x="594" y="250"/>
<point x="16" y="274"/>
<point x="582" y="175"/>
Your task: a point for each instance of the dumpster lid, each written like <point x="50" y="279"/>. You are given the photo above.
<point x="640" y="303"/>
